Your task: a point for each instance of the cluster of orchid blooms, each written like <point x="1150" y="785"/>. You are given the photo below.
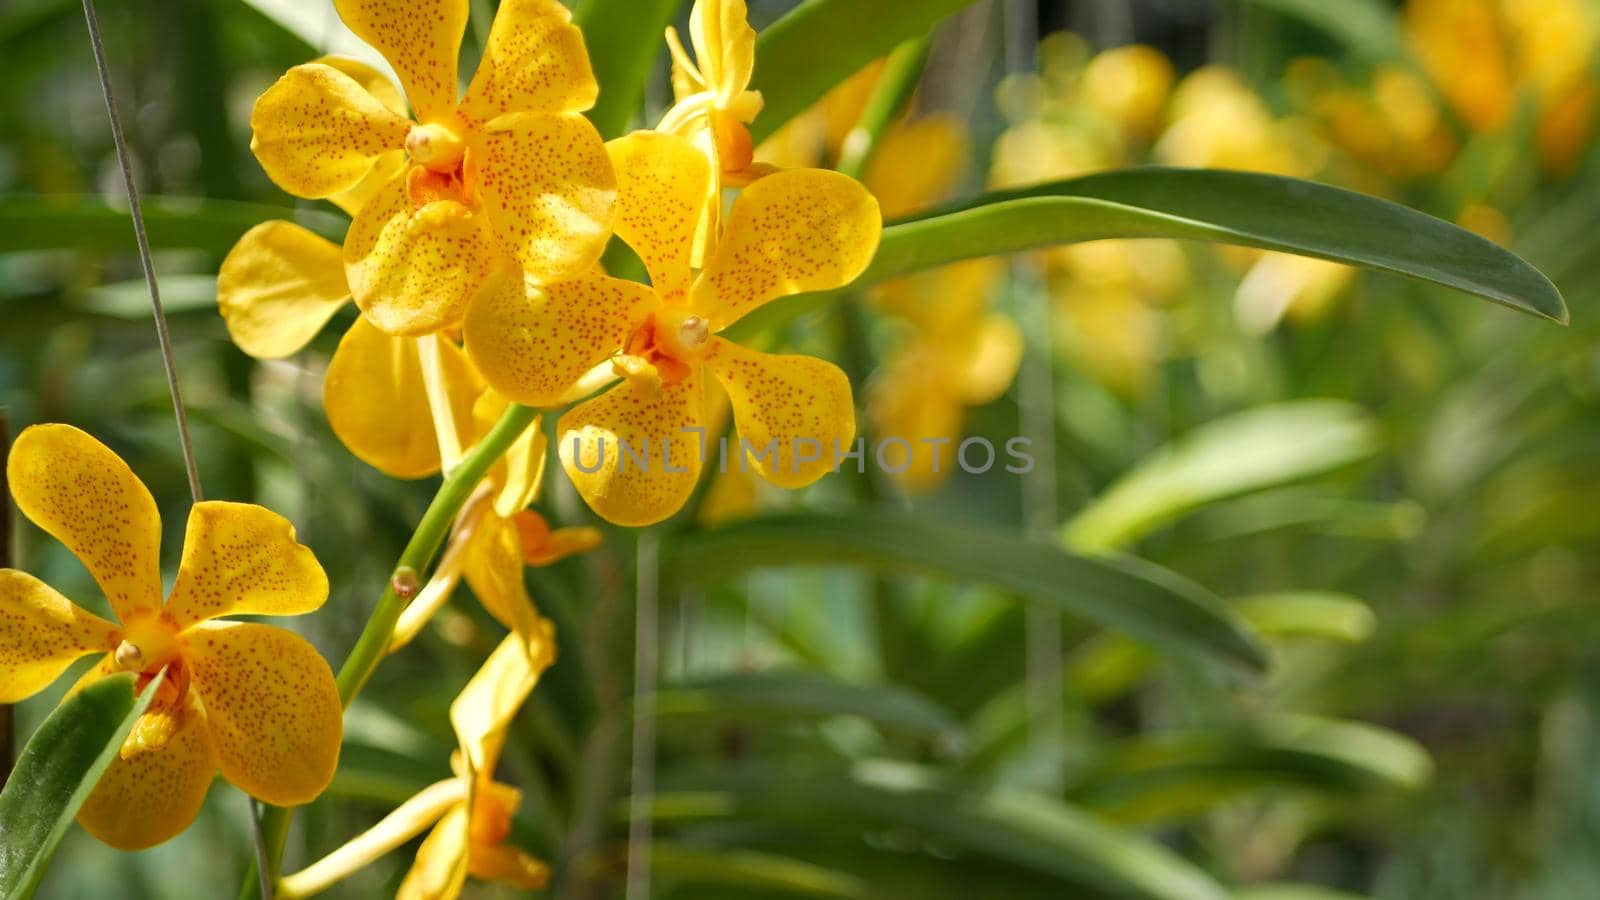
<point x="473" y="256"/>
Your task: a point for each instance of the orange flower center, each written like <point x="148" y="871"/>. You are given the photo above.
<point x="492" y="810"/>
<point x="670" y="341"/>
<point x="735" y="149"/>
<point x="149" y="642"/>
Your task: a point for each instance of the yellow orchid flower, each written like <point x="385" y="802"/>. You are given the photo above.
<point x="251" y="700"/>
<point x="276" y="289"/>
<point x="513" y="170"/>
<point x="714" y="104"/>
<point x="496" y="535"/>
<point x="471" y="813"/>
<point x="793" y="231"/>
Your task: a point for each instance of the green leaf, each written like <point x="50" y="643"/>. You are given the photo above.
<point x="1031" y="832"/>
<point x="790" y="695"/>
<point x="1163" y="775"/>
<point x="89" y="223"/>
<point x="822" y="42"/>
<point x="1245" y="208"/>
<point x="764" y="873"/>
<point x="1323" y="614"/>
<point x="1146" y="602"/>
<point x="1366" y="26"/>
<point x="1286" y="891"/>
<point x="57" y="769"/>
<point x="1238" y="454"/>
<point x="622" y="56"/>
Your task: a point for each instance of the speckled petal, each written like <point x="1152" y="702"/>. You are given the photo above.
<point x="317" y="132"/>
<point x="278" y="286"/>
<point x="41" y="634"/>
<point x="413" y="272"/>
<point x="373" y="81"/>
<point x="547" y="189"/>
<point x="486" y="706"/>
<point x="149" y="795"/>
<point x="271" y="706"/>
<point x="377" y="405"/>
<point x="242" y="559"/>
<point x="792" y="231"/>
<point x="533" y="343"/>
<point x="86" y="497"/>
<point x="662" y="181"/>
<point x="440" y="870"/>
<point x="535" y="61"/>
<point x="421" y="39"/>
<point x="610" y="436"/>
<point x="800" y="404"/>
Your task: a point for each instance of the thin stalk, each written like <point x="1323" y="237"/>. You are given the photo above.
<point x="8" y="721"/>
<point x="901" y="74"/>
<point x="163" y="336"/>
<point x="369" y="650"/>
<point x="646" y="635"/>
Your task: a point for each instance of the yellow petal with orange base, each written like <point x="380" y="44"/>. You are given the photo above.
<point x="542" y="546"/>
<point x="414" y="270"/>
<point x="546" y="187"/>
<point x="86" y="497"/>
<point x="603" y="444"/>
<point x="793" y="231"/>
<point x="799" y="405"/>
<point x="278" y="286"/>
<point x="504" y="864"/>
<point x="271" y="706"/>
<point x="243" y="559"/>
<point x="41" y="634"/>
<point x="421" y="40"/>
<point x="378" y="407"/>
<point x="150" y="794"/>
<point x="662" y="181"/>
<point x="493" y="569"/>
<point x="535" y="61"/>
<point x="534" y="342"/>
<point x="389" y="164"/>
<point x="440" y="869"/>
<point x="318" y="132"/>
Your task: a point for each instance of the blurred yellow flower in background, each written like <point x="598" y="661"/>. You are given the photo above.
<point x="513" y="171"/>
<point x="257" y="702"/>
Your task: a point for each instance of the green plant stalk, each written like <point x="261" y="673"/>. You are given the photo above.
<point x="902" y="72"/>
<point x="419" y="552"/>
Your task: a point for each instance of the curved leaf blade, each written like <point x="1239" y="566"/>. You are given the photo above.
<point x="765" y="873"/>
<point x="1367" y="27"/>
<point x="622" y="57"/>
<point x="792" y="74"/>
<point x="89" y="223"/>
<point x="799" y="694"/>
<point x="57" y="769"/>
<point x="1029" y="831"/>
<point x="1248" y="451"/>
<point x="1148" y="603"/>
<point x="1249" y="209"/>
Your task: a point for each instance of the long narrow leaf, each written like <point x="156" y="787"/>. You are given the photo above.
<point x="58" y="768"/>
<point x="622" y="56"/>
<point x="822" y="42"/>
<point x="1171" y="614"/>
<point x="89" y="223"/>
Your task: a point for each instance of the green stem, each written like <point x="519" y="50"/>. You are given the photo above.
<point x="901" y="74"/>
<point x="419" y="552"/>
